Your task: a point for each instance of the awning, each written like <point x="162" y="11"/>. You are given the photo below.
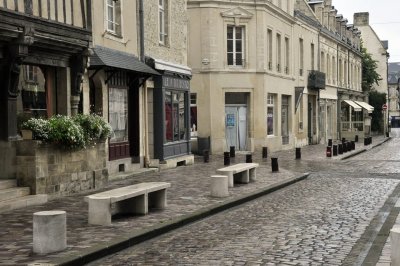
<point x="366" y="106"/>
<point x="356" y="107"/>
<point x="103" y="56"/>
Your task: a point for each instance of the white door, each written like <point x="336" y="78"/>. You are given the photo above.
<point x="236" y="127"/>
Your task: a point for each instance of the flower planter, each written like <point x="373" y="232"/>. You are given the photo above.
<point x="26" y="134"/>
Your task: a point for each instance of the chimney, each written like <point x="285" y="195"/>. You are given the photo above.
<point x="361" y="19"/>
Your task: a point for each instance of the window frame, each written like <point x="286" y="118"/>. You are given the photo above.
<point x="234" y="43"/>
<point x="271" y="106"/>
<point x="114" y="14"/>
<point x="162" y="22"/>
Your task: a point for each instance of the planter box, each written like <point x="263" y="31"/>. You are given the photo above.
<point x="47" y="169"/>
<point x="26" y="134"/>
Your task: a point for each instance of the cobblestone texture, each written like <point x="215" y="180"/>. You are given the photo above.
<point x="314" y="222"/>
<point x="292" y="209"/>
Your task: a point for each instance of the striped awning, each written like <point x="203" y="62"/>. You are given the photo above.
<point x="366" y="106"/>
<point x="355" y="106"/>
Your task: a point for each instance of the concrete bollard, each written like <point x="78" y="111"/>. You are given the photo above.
<point x="335" y="150"/>
<point x="328" y="151"/>
<point x="49" y="231"/>
<point x="340" y="148"/>
<point x="227" y="160"/>
<point x="206" y="156"/>
<point x="395" y="246"/>
<point x="249" y="158"/>
<point x="298" y="153"/>
<point x="219" y="186"/>
<point x="274" y="164"/>
<point x="232" y="151"/>
<point x="264" y="152"/>
<point x="330" y="142"/>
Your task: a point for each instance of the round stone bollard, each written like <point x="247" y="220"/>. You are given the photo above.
<point x="249" y="158"/>
<point x="219" y="186"/>
<point x="232" y="151"/>
<point x="298" y="153"/>
<point x="227" y="160"/>
<point x="49" y="231"/>
<point x="395" y="246"/>
<point x="264" y="152"/>
<point x="206" y="156"/>
<point x="335" y="150"/>
<point x="274" y="164"/>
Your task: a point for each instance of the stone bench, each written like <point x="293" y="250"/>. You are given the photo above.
<point x="134" y="199"/>
<point x="240" y="173"/>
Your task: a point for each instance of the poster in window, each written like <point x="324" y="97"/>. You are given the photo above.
<point x="270" y="121"/>
<point x="230" y="120"/>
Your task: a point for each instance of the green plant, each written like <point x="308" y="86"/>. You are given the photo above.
<point x="40" y="128"/>
<point x="64" y="131"/>
<point x="69" y="132"/>
<point x="94" y="127"/>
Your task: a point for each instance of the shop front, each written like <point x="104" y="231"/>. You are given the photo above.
<point x="171" y="111"/>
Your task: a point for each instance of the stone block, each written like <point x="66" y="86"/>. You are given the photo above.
<point x="219" y="186"/>
<point x="395" y="246"/>
<point x="49" y="231"/>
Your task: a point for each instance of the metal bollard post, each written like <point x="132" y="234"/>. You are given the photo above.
<point x="328" y="151"/>
<point x="365" y="141"/>
<point x="249" y="158"/>
<point x="370" y="140"/>
<point x="232" y="151"/>
<point x="335" y="150"/>
<point x="340" y="148"/>
<point x="353" y="145"/>
<point x="298" y="153"/>
<point x="264" y="152"/>
<point x="348" y="143"/>
<point x="356" y="138"/>
<point x="330" y="142"/>
<point x="227" y="160"/>
<point x="206" y="156"/>
<point x="274" y="164"/>
<point x="344" y="144"/>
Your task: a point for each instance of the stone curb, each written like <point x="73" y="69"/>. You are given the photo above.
<point x="364" y="149"/>
<point x="138" y="236"/>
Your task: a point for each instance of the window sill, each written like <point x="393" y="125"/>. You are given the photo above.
<point x="115" y="37"/>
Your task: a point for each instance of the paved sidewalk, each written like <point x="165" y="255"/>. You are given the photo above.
<point x="188" y="200"/>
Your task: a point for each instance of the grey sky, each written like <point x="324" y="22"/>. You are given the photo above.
<point x="384" y="17"/>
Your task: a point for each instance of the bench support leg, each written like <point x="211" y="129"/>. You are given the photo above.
<point x="158" y="199"/>
<point x="253" y="174"/>
<point x="136" y="205"/>
<point x="230" y="179"/>
<point x="99" y="211"/>
<point x="242" y="177"/>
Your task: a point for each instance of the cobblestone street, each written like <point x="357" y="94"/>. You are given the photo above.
<point x="318" y="221"/>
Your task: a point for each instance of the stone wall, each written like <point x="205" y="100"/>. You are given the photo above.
<point x="7" y="160"/>
<point x="175" y="49"/>
<point x="47" y="169"/>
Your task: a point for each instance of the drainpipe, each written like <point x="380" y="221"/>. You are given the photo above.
<point x="142" y="58"/>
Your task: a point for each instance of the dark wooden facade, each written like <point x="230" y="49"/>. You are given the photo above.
<point x="42" y="33"/>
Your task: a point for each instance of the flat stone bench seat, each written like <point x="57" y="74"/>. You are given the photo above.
<point x="240" y="173"/>
<point x="134" y="199"/>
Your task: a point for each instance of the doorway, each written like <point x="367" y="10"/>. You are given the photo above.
<point x="236" y="120"/>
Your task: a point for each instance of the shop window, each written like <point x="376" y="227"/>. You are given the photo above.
<point x="175" y="122"/>
<point x="118" y="113"/>
<point x="193" y="114"/>
<point x="270" y="114"/>
<point x="163" y="21"/>
<point x="235" y="46"/>
<point x="114" y="16"/>
<point x="37" y="96"/>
